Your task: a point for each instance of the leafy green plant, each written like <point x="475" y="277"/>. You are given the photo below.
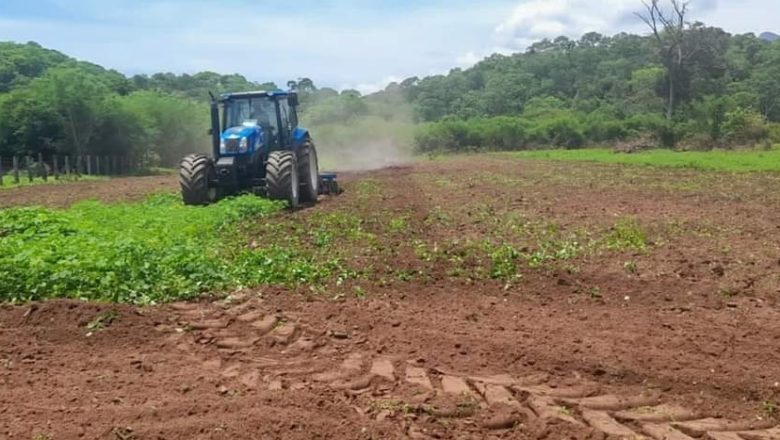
<point x="103" y="320"/>
<point x="503" y="262"/>
<point x="147" y="252"/>
<point x="770" y="408"/>
<point x="627" y="234"/>
<point x="359" y="292"/>
<point x="553" y="250"/>
<point x="398" y="224"/>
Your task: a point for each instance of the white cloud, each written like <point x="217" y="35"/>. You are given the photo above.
<point x="533" y="20"/>
<point x="536" y="19"/>
<point x="468" y="59"/>
<point x="743" y="16"/>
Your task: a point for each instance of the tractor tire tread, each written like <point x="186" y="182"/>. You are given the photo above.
<point x="308" y="194"/>
<point x="193" y="179"/>
<point x="279" y="176"/>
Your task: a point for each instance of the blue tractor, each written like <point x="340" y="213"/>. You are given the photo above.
<point x="257" y="145"/>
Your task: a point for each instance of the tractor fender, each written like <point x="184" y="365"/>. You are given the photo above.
<point x="299" y="137"/>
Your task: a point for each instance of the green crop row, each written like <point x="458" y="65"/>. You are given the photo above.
<point x="148" y="252"/>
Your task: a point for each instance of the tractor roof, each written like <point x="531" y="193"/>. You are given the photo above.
<point x="258" y="94"/>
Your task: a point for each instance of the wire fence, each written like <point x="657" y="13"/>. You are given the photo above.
<point x="17" y="169"/>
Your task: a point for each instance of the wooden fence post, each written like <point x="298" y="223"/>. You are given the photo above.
<point x="29" y="167"/>
<point x="56" y="167"/>
<point x="97" y="165"/>
<point x="16" y="169"/>
<point x="42" y="168"/>
<point x="67" y="165"/>
<point x="89" y="165"/>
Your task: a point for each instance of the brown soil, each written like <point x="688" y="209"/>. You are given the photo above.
<point x="66" y="194"/>
<point x="687" y="346"/>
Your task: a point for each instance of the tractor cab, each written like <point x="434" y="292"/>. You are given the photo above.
<point x="255" y="121"/>
<point x="247" y="127"/>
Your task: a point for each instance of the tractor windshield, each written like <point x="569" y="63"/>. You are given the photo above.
<point x="252" y="111"/>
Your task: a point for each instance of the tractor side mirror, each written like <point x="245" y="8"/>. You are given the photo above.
<point x="293" y="99"/>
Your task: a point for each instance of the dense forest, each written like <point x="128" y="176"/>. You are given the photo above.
<point x="693" y="87"/>
<point x="724" y="91"/>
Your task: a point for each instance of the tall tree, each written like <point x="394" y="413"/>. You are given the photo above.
<point x="668" y="28"/>
<point x="79" y="99"/>
<point x="765" y="82"/>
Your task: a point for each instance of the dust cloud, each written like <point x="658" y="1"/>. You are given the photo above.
<point x="365" y="144"/>
<point x="371" y="155"/>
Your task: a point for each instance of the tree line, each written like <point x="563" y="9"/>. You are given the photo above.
<point x="685" y="84"/>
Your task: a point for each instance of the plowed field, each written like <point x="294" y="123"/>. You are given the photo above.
<point x="492" y="298"/>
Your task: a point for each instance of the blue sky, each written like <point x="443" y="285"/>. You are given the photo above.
<point x="338" y="43"/>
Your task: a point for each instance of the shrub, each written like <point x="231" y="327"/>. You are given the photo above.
<point x="563" y="131"/>
<point x="744" y="127"/>
<point x="773" y="130"/>
<point x="654" y="125"/>
<point x="600" y="130"/>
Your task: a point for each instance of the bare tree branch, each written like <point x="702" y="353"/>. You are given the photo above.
<point x="668" y="28"/>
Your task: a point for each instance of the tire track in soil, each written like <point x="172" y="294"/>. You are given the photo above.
<point x="304" y="358"/>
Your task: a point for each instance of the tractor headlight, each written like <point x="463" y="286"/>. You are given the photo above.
<point x="222" y="146"/>
<point x="243" y="145"/>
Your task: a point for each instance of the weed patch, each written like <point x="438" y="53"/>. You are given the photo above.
<point x="627" y="234"/>
<point x="367" y="187"/>
<point x="103" y="320"/>
<point x="397" y="225"/>
<point x="503" y="261"/>
<point x="553" y="250"/>
<point x="770" y="408"/>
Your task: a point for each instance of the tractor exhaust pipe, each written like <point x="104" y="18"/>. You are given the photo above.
<point x="215" y="130"/>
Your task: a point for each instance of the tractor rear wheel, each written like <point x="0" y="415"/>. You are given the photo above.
<point x="309" y="172"/>
<point x="196" y="177"/>
<point x="281" y="177"/>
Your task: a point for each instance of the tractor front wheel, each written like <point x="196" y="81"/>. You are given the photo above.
<point x="196" y="177"/>
<point x="281" y="177"/>
<point x="309" y="171"/>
